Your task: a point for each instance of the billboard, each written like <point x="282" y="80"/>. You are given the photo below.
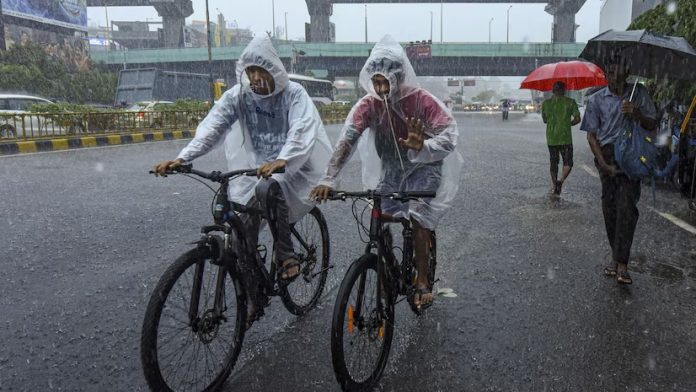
<point x="66" y="13"/>
<point x="418" y="51"/>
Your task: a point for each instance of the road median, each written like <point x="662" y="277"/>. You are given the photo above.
<point x="69" y="143"/>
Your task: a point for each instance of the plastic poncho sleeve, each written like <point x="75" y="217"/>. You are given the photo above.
<point x="441" y="127"/>
<point x="304" y="125"/>
<point x="212" y="130"/>
<point x="355" y="124"/>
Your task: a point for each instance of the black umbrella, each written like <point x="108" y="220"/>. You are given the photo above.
<point x="647" y="54"/>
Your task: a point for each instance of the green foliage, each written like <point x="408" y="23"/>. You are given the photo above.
<point x="63" y="107"/>
<point x="187" y="105"/>
<point x="484" y="96"/>
<point x="679" y="23"/>
<point x="31" y="70"/>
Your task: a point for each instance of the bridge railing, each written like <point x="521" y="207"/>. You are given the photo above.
<point x="341" y="49"/>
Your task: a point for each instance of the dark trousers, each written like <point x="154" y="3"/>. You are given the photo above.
<point x="268" y="197"/>
<point x="620" y="197"/>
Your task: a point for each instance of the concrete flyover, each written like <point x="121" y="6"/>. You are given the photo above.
<point x="342" y="59"/>
<point x="563" y="12"/>
<point x="173" y="13"/>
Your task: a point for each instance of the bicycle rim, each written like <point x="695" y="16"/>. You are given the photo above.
<point x="312" y="248"/>
<point x="181" y="355"/>
<point x="361" y="337"/>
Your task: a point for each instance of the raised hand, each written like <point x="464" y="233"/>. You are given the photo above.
<point x="416" y="135"/>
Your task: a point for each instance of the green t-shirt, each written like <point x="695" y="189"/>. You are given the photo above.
<point x="558" y="111"/>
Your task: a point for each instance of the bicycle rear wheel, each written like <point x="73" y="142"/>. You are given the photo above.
<point x="183" y="353"/>
<point x="310" y="238"/>
<point x="361" y="335"/>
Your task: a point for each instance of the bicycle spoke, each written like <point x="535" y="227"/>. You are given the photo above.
<point x="191" y="354"/>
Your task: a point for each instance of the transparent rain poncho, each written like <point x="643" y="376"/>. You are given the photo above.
<point x="374" y="126"/>
<point x="261" y="128"/>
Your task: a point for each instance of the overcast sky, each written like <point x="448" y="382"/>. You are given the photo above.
<point x="406" y="22"/>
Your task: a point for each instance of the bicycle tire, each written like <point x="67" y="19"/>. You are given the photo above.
<point x="149" y="347"/>
<point x="431" y="274"/>
<point x="346" y="380"/>
<point x="310" y="274"/>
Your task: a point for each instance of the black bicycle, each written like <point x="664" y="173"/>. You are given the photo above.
<point x="363" y="317"/>
<point x="195" y="321"/>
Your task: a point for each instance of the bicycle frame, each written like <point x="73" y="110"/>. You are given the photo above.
<point x="387" y="263"/>
<point x="228" y="221"/>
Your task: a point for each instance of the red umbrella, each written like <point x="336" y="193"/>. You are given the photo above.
<point x="576" y="75"/>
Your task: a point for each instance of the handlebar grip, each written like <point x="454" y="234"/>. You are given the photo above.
<point x="419" y="194"/>
<point x="335" y="195"/>
<point x="253" y="172"/>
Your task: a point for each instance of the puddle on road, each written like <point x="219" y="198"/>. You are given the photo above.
<point x="665" y="272"/>
<point x="537" y="201"/>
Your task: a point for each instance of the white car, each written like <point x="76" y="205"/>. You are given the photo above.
<point x="147" y="113"/>
<point x="15" y="119"/>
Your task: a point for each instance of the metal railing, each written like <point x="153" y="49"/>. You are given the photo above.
<point x="32" y="126"/>
<point x="29" y="126"/>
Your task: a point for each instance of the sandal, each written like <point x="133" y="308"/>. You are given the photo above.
<point x="623" y="278"/>
<point x="420" y="293"/>
<point x="610" y="271"/>
<point x="288" y="265"/>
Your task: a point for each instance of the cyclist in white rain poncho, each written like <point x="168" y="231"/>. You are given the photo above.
<point x="268" y="122"/>
<point x="407" y="141"/>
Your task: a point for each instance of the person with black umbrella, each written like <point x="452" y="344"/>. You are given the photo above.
<point x="608" y="112"/>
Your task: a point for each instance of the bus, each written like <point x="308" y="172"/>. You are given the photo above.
<point x="321" y="91"/>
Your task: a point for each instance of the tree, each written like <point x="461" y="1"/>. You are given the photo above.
<point x="484" y="96"/>
<point x="31" y="70"/>
<point x="674" y="18"/>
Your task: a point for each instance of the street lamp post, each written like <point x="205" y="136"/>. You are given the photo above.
<point x="273" y="9"/>
<point x="365" y="23"/>
<point x="106" y="26"/>
<point x="210" y="54"/>
<point x="431" y="26"/>
<point x="489" y="30"/>
<point x="441" y="18"/>
<point x="507" y="34"/>
<point x="286" y="26"/>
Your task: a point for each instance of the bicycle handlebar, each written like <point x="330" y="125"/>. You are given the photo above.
<point x="215" y="176"/>
<point x="370" y="194"/>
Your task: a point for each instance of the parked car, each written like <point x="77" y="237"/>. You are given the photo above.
<point x="14" y="118"/>
<point x="163" y="114"/>
<point x="148" y="113"/>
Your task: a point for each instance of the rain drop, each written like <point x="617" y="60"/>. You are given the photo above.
<point x="671" y="7"/>
<point x="99" y="167"/>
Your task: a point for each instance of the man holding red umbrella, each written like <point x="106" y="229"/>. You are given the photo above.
<point x="559" y="113"/>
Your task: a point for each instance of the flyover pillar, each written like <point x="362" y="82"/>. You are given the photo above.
<point x="319" y="13"/>
<point x="563" y="11"/>
<point x="173" y="13"/>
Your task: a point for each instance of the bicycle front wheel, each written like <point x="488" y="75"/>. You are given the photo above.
<point x="186" y="350"/>
<point x="310" y="237"/>
<point x="361" y="333"/>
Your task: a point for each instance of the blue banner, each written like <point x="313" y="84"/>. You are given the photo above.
<point x="66" y="13"/>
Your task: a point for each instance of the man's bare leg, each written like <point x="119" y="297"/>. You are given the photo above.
<point x="421" y="247"/>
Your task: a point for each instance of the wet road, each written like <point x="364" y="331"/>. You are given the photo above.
<point x="87" y="233"/>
